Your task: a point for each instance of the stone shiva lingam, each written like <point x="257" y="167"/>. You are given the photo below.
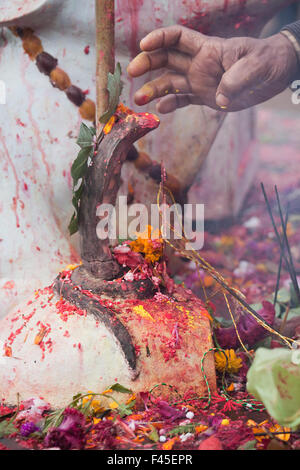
<point x="117" y="317"/>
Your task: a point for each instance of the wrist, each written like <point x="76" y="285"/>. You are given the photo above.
<point x="294" y="41"/>
<point x="286" y="45"/>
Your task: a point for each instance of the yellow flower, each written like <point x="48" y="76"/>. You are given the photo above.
<point x="228" y="361"/>
<point x="230" y="388"/>
<point x="72" y="267"/>
<point x="169" y="444"/>
<point x="109" y="125"/>
<point x="201" y="428"/>
<point x="95" y="404"/>
<point x="149" y="244"/>
<point x="121" y="109"/>
<point x="264" y="426"/>
<point x="113" y="405"/>
<point x="283" y="437"/>
<point x="225" y="422"/>
<point x="131" y="399"/>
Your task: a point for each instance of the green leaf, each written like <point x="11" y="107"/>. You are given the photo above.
<point x="77" y="397"/>
<point x="77" y="196"/>
<point x="7" y="428"/>
<point x="79" y="166"/>
<point x="87" y="409"/>
<point x="85" y="137"/>
<point x="114" y="87"/>
<point x="274" y="379"/>
<point x="294" y="296"/>
<point x="284" y="296"/>
<point x="183" y="429"/>
<point x="126" y="410"/>
<point x="294" y="312"/>
<point x="250" y="445"/>
<point x="120" y="389"/>
<point x="154" y="436"/>
<point x="73" y="225"/>
<point x="53" y="420"/>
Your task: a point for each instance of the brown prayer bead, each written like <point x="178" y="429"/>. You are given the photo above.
<point x="46" y="63"/>
<point x="32" y="46"/>
<point x="75" y="95"/>
<point x="60" y="79"/>
<point x="88" y="110"/>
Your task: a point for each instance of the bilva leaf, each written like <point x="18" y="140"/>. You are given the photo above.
<point x="85" y="137"/>
<point x="189" y="428"/>
<point x="79" y="166"/>
<point x="154" y="436"/>
<point x="284" y="296"/>
<point x="114" y="87"/>
<point x="7" y="428"/>
<point x="120" y="389"/>
<point x="126" y="410"/>
<point x="73" y="225"/>
<point x="250" y="445"/>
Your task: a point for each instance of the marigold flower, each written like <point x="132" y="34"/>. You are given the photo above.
<point x="109" y="125"/>
<point x="228" y="361"/>
<point x="95" y="404"/>
<point x="147" y="244"/>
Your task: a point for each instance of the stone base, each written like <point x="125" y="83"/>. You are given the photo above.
<point x="54" y="350"/>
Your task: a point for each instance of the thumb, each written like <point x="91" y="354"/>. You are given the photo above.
<point x="237" y="79"/>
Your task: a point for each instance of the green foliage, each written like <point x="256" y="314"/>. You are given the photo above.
<point x="294" y="296"/>
<point x="120" y="389"/>
<point x="85" y="136"/>
<point x="7" y="428"/>
<point x="250" y="445"/>
<point x="125" y="409"/>
<point x="274" y="379"/>
<point x="183" y="429"/>
<point x="114" y="87"/>
<point x="86" y="143"/>
<point x="79" y="168"/>
<point x="287" y="299"/>
<point x="55" y="418"/>
<point x="153" y="436"/>
<point x="283" y="296"/>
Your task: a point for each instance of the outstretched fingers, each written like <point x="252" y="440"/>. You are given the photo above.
<point x="169" y="83"/>
<point x="162" y="58"/>
<point x="173" y="102"/>
<point x="178" y="37"/>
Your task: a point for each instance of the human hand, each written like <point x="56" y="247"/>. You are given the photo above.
<point x="227" y="74"/>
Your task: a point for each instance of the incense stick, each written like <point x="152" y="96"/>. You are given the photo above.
<point x="286" y="241"/>
<point x="281" y="243"/>
<point x="280" y="262"/>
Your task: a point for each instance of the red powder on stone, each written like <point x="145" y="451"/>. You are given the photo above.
<point x="66" y="310"/>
